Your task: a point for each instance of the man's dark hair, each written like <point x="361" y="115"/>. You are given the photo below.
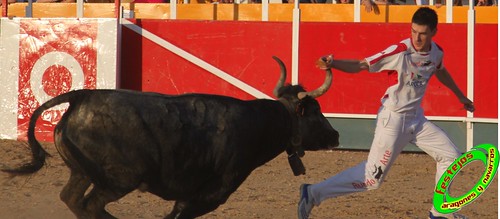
<point x="425" y="16"/>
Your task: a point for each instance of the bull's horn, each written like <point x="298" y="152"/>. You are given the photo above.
<point x="281" y="81"/>
<point x="321" y="90"/>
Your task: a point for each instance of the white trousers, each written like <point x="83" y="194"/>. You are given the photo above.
<point x="392" y="133"/>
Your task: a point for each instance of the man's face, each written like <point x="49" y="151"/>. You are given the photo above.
<point x="421" y="36"/>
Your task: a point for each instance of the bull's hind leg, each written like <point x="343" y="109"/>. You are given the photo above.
<point x="191" y="209"/>
<point x="91" y="205"/>
<point x="73" y="192"/>
<point x="97" y="199"/>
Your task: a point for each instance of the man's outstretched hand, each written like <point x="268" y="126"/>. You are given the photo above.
<point x="325" y="62"/>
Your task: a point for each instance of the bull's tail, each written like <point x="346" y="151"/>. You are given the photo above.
<point x="37" y="152"/>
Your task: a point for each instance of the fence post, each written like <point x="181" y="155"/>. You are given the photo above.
<point x="471" y="21"/>
<point x="295" y="42"/>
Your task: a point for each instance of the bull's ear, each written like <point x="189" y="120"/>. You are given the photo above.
<point x="302" y="95"/>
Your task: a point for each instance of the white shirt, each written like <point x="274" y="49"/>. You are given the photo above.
<point x="413" y="70"/>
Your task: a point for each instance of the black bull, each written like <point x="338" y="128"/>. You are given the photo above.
<point x="196" y="149"/>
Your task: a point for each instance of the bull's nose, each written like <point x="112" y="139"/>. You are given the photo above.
<point x="336" y="142"/>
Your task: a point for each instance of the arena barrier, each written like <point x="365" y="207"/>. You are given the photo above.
<point x="243" y="50"/>
<point x="42" y="58"/>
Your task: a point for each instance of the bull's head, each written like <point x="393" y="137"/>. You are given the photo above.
<point x="311" y="130"/>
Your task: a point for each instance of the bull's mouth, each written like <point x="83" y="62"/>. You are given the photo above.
<point x="331" y="147"/>
<point x="322" y="148"/>
<point x="328" y="147"/>
<point x="335" y="142"/>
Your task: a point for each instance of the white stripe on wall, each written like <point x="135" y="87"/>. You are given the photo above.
<point x="9" y="80"/>
<point x="107" y="53"/>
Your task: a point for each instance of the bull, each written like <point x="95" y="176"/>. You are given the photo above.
<point x="196" y="149"/>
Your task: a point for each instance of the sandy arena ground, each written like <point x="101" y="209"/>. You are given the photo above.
<point x="271" y="191"/>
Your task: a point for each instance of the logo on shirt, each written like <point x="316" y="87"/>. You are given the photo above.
<point x="416" y="80"/>
<point x="426" y="63"/>
<point x="423" y="66"/>
<point x="418" y="77"/>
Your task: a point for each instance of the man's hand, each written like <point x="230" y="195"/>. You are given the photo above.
<point x="371" y="6"/>
<point x="482" y="3"/>
<point x="325" y="62"/>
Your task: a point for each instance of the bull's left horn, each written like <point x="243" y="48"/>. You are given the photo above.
<point x="281" y="81"/>
<point x="320" y="90"/>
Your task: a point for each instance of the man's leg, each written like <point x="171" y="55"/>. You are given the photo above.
<point x="434" y="141"/>
<point x="390" y="138"/>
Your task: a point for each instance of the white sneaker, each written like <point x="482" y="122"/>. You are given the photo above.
<point x="305" y="202"/>
<point x="448" y="216"/>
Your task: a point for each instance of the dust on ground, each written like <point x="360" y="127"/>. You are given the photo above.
<point x="271" y="191"/>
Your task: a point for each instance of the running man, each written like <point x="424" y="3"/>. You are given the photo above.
<point x="400" y="119"/>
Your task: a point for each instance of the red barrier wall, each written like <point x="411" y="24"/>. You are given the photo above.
<point x="244" y="50"/>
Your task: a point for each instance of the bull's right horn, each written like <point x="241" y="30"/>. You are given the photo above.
<point x="320" y="90"/>
<point x="281" y="81"/>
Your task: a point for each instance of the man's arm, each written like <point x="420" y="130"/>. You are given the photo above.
<point x="348" y="66"/>
<point x="445" y="78"/>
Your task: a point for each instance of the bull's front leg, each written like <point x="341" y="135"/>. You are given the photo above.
<point x="192" y="209"/>
<point x="211" y="195"/>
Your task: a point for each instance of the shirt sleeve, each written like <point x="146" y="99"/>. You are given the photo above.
<point x="440" y="65"/>
<point x="386" y="60"/>
<point x="440" y="57"/>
